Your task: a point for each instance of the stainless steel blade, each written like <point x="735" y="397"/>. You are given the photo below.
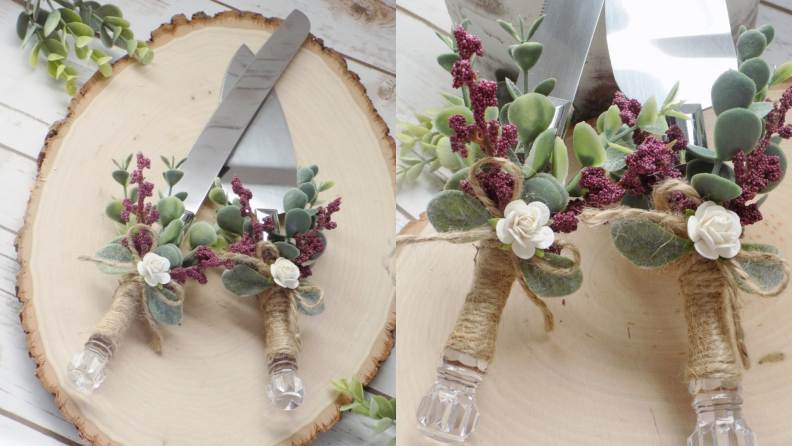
<point x="230" y="121"/>
<point x="566" y="34"/>
<point x="264" y="158"/>
<point x="653" y="45"/>
<point x="236" y="67"/>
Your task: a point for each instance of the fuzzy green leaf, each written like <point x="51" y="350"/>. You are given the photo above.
<point x="525" y="55"/>
<point x="531" y="113"/>
<point x="545" y="87"/>
<point x="170" y="208"/>
<point x="297" y="220"/>
<point x="229" y="219"/>
<point x="160" y="311"/>
<point x="448" y="60"/>
<point x="295" y="199"/>
<point x="758" y="70"/>
<point x="115" y="253"/>
<point x="441" y="119"/>
<point x="765" y="274"/>
<point x="383" y="425"/>
<point x="509" y="28"/>
<point x="454" y="210"/>
<point x="751" y="44"/>
<point x="171" y="232"/>
<point x="735" y="130"/>
<point x="551" y="285"/>
<point x="646" y="244"/>
<point x="541" y="151"/>
<point x="244" y="281"/>
<point x="453" y="182"/>
<point x="202" y="234"/>
<point x="695" y="152"/>
<point x="304" y="175"/>
<point x="287" y="250"/>
<point x="560" y="160"/>
<point x="732" y="89"/>
<point x="170" y="252"/>
<point x="714" y="187"/>
<point x="588" y="148"/>
<point x="782" y="73"/>
<point x="547" y="189"/>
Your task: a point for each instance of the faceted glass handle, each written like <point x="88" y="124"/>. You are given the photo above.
<point x="285" y="390"/>
<point x="448" y="412"/>
<point x="720" y="422"/>
<point x="86" y="370"/>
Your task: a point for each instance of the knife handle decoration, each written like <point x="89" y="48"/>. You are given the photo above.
<point x="563" y="115"/>
<point x="271" y="263"/>
<point x="148" y="257"/>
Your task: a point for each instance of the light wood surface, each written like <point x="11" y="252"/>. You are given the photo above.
<point x="611" y="373"/>
<point x="208" y="385"/>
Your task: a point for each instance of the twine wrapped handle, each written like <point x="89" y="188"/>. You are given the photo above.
<point x="715" y="334"/>
<point x="130" y="298"/>
<point x="277" y="304"/>
<point x="476" y="329"/>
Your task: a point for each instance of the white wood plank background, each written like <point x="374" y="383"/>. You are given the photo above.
<point x="363" y="31"/>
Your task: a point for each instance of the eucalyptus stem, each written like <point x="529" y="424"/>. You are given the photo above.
<point x="525" y="82"/>
<point x="466" y="96"/>
<point x="622" y="134"/>
<point x="717" y="167"/>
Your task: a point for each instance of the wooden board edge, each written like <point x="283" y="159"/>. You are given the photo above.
<point x="87" y="430"/>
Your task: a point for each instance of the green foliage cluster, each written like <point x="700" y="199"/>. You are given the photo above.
<point x="80" y="20"/>
<point x="376" y="407"/>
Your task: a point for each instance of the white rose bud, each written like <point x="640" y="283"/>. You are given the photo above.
<point x="285" y="273"/>
<point x="523" y="226"/>
<point x="154" y="269"/>
<point x="715" y="231"/>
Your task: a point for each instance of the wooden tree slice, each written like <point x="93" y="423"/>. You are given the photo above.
<point x="611" y="372"/>
<point x="208" y="386"/>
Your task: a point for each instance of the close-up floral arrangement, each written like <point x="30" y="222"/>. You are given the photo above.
<point x="148" y="255"/>
<point x="689" y="207"/>
<point x="506" y="200"/>
<point x="80" y="20"/>
<point x="259" y="260"/>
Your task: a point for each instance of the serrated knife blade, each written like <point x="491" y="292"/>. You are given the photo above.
<point x="231" y="119"/>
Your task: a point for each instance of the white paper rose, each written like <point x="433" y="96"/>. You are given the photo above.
<point x="285" y="273"/>
<point x="715" y="231"/>
<point x="523" y="226"/>
<point x="154" y="269"/>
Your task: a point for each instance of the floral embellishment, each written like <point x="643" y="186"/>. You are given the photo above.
<point x="715" y="231"/>
<point x="285" y="273"/>
<point x="525" y="228"/>
<point x="154" y="269"/>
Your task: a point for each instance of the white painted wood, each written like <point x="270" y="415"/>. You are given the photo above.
<point x="14" y="433"/>
<point x="17" y="173"/>
<point x="432" y="11"/>
<point x="364" y="29"/>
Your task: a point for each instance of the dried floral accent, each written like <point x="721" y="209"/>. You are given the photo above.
<point x="651" y="163"/>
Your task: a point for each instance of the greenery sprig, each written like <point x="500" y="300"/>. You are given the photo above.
<point x="81" y="20"/>
<point x="376" y="407"/>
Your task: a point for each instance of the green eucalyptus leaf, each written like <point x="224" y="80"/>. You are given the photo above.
<point x="52" y="23"/>
<point x="646" y="244"/>
<point x="229" y="219"/>
<point x="170" y="208"/>
<point x="113" y="210"/>
<point x="287" y="250"/>
<point x="695" y="152"/>
<point x="531" y="113"/>
<point x="509" y="28"/>
<point x="614" y="160"/>
<point x="560" y="160"/>
<point x="304" y="175"/>
<point x="768" y="31"/>
<point x="442" y="117"/>
<point x="295" y="199"/>
<point x="453" y="99"/>
<point x="546" y="189"/>
<point x="456" y="178"/>
<point x="218" y="195"/>
<point x="648" y="114"/>
<point x="635" y="201"/>
<point x="541" y="151"/>
<point x="445" y="155"/>
<point x="171" y="233"/>
<point x="612" y="122"/>
<point x="545" y="87"/>
<point x="714" y="187"/>
<point x="70" y="16"/>
<point x="513" y="89"/>
<point x="751" y="43"/>
<point x="181" y="195"/>
<point x="244" y="281"/>
<point x="115" y="253"/>
<point x="735" y="130"/>
<point x="311" y="297"/>
<point x="490" y="113"/>
<point x="765" y="274"/>
<point x="109" y="11"/>
<point x="545" y="284"/>
<point x="34" y="54"/>
<point x="297" y="220"/>
<point x="697" y="166"/>
<point x="448" y="60"/>
<point x="758" y="70"/>
<point x="588" y="148"/>
<point x="382" y="425"/>
<point x="525" y="55"/>
<point x="172" y="176"/>
<point x="453" y="210"/>
<point x="23" y="22"/>
<point x="761" y="109"/>
<point x="159" y="310"/>
<point x="170" y="252"/>
<point x="782" y="73"/>
<point x="504" y="114"/>
<point x="202" y="234"/>
<point x="309" y="190"/>
<point x="732" y="89"/>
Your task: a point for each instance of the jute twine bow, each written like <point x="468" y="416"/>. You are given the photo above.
<point x="496" y="270"/>
<point x="130" y="297"/>
<point x="278" y="304"/>
<point x="712" y="308"/>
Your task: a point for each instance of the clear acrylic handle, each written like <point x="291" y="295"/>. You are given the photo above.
<point x="86" y="370"/>
<point x="448" y="412"/>
<point x="720" y="422"/>
<point x="285" y="390"/>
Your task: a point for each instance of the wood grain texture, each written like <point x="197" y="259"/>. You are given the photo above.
<point x="611" y="373"/>
<point x="222" y="377"/>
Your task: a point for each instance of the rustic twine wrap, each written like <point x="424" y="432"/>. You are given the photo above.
<point x="277" y="304"/>
<point x="476" y="329"/>
<point x="715" y="333"/>
<point x="130" y="297"/>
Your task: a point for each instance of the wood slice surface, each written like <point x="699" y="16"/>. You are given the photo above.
<point x="611" y="372"/>
<point x="208" y="386"/>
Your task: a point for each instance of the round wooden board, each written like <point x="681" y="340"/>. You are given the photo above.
<point x="208" y="386"/>
<point x="611" y="372"/>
